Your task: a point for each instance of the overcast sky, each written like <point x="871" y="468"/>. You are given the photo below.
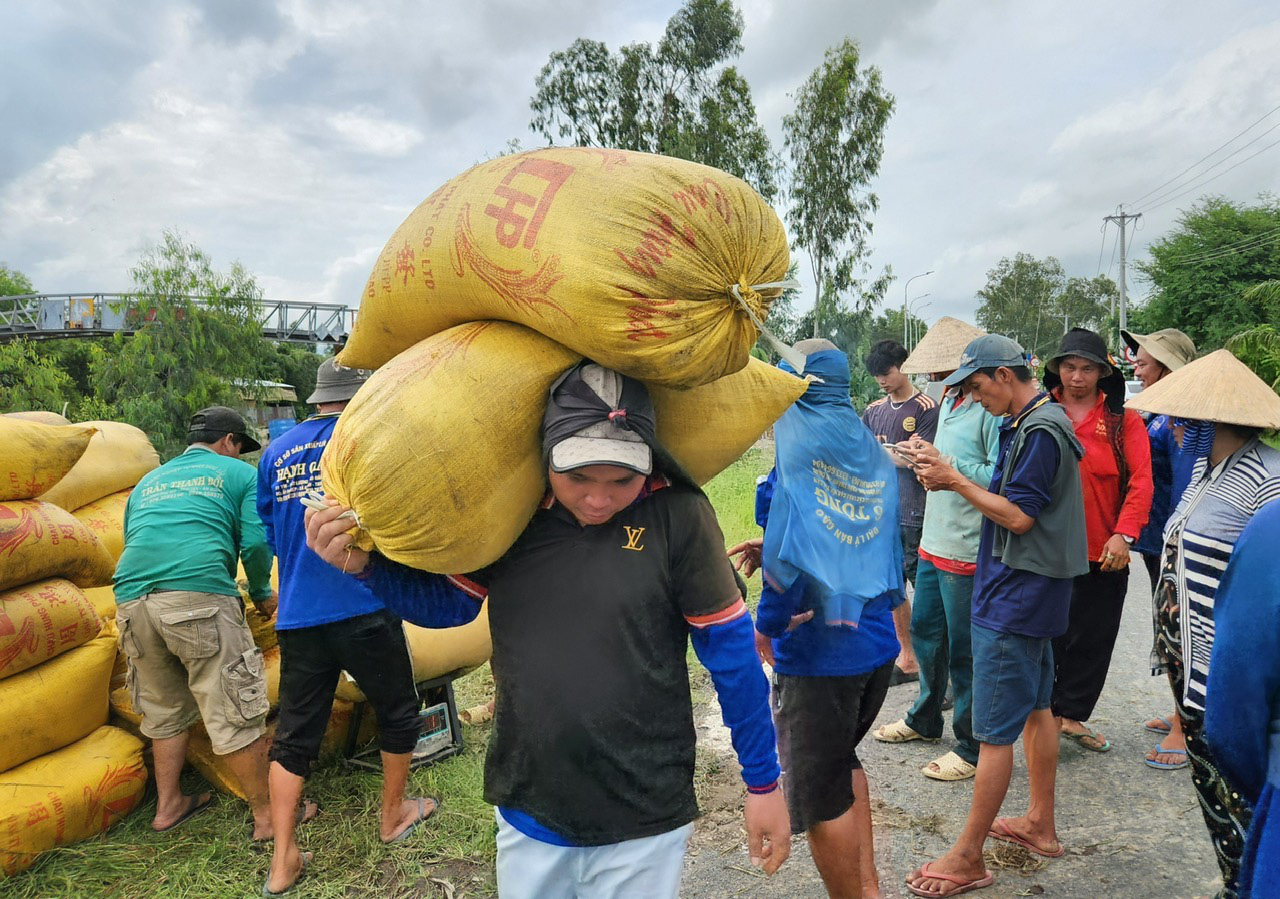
<point x="295" y="135"/>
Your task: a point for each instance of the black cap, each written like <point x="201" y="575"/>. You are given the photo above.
<point x="1085" y="344"/>
<point x="220" y="419"/>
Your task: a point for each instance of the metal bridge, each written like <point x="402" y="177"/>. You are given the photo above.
<point x="46" y="316"/>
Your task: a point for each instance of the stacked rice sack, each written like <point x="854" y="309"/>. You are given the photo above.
<point x="64" y="775"/>
<point x="507" y="276"/>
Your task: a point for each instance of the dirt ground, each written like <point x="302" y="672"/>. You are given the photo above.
<point x="1130" y="831"/>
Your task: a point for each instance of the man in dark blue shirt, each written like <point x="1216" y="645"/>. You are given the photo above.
<point x="1032" y="543"/>
<point x="329" y="622"/>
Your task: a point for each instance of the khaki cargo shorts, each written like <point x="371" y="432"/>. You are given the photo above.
<point x="192" y="657"/>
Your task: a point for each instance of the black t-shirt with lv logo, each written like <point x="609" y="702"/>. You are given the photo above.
<point x="594" y="733"/>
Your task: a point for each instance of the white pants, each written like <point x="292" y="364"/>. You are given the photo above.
<point x="647" y="868"/>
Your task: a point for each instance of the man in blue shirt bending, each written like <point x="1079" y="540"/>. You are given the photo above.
<point x="1032" y="544"/>
<point x="329" y="622"/>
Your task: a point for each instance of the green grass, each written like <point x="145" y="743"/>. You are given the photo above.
<point x="209" y="857"/>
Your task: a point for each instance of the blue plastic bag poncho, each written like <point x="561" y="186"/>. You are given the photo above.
<point x="834" y="516"/>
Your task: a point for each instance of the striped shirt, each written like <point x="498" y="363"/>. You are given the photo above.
<point x="1203" y="531"/>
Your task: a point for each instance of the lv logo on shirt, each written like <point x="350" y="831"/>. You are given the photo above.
<point x="633" y="538"/>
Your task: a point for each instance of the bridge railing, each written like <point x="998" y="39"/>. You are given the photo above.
<point x="47" y="316"/>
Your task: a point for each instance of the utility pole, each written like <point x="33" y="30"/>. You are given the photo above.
<point x="1122" y="219"/>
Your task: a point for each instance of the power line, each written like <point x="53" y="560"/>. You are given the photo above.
<point x="1202" y="159"/>
<point x="1214" y="178"/>
<point x="1103" y="247"/>
<point x="1214" y="166"/>
<point x="1112" y="263"/>
<point x="1250" y="243"/>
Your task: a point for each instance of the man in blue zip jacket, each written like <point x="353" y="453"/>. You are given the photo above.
<point x="328" y="623"/>
<point x="591" y="759"/>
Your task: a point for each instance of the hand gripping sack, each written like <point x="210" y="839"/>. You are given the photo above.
<point x="34" y="457"/>
<point x="626" y="258"/>
<point x="39" y="540"/>
<point x="105" y="517"/>
<point x="41" y="620"/>
<point x="54" y="704"/>
<point x="440" y="456"/>
<point x="69" y="795"/>
<point x="116" y="459"/>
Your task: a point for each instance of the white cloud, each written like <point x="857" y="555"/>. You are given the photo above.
<point x="370" y="132"/>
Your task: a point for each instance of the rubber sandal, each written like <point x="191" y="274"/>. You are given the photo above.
<point x="962" y="885"/>
<point x="196" y="808"/>
<point x="1168" y="726"/>
<point x="1166" y="766"/>
<point x="404" y="834"/>
<point x="302" y="872"/>
<point x="1089" y="734"/>
<point x="900" y="732"/>
<point x="900" y="677"/>
<point x="951" y="767"/>
<point x="1000" y="831"/>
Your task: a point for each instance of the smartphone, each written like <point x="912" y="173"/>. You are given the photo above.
<point x="910" y="459"/>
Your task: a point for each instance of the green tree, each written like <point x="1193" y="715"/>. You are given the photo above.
<point x="1200" y="272"/>
<point x="1034" y="302"/>
<point x="1259" y="348"/>
<point x="12" y="283"/>
<point x="296" y="364"/>
<point x="186" y="354"/>
<point x="679" y="98"/>
<point x="834" y="139"/>
<point x="29" y="380"/>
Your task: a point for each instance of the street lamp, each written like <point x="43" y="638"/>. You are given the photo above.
<point x="904" y="302"/>
<point x="915" y="319"/>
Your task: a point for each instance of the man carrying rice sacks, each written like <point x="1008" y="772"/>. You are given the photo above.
<point x="591" y="759"/>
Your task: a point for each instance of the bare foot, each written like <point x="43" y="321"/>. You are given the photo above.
<point x="958" y="866"/>
<point x="412" y="811"/>
<point x="263" y="831"/>
<point x="187" y="806"/>
<point x="280" y="879"/>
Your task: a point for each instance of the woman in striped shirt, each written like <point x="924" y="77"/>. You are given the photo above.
<point x="1227" y="407"/>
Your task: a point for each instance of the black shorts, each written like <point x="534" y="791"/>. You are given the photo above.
<point x="820" y="722"/>
<point x="910" y="551"/>
<point x="372" y="649"/>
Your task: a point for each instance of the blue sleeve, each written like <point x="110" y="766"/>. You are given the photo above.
<point x="775" y="610"/>
<point x="1030" y="484"/>
<point x="420" y="597"/>
<point x="1244" y="681"/>
<point x="266" y="503"/>
<point x="728" y="651"/>
<point x="255" y="552"/>
<point x="764" y="496"/>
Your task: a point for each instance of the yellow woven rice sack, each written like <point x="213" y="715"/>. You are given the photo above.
<point x="54" y="704"/>
<point x="34" y="457"/>
<point x="39" y="540"/>
<point x="626" y="258"/>
<point x="103" y="600"/>
<point x="117" y="458"/>
<point x="105" y="517"/>
<point x="439" y="452"/>
<point x="45" y="418"/>
<point x="439" y="651"/>
<point x="68" y="795"/>
<point x="42" y="620"/>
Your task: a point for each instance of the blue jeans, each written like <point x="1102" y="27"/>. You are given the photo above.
<point x="1012" y="677"/>
<point x="940" y="633"/>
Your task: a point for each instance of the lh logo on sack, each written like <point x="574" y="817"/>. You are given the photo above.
<point x="633" y="538"/>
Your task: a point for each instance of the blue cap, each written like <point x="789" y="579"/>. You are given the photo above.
<point x="988" y="351"/>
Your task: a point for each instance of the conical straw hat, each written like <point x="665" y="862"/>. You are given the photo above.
<point x="1219" y="388"/>
<point x="941" y="347"/>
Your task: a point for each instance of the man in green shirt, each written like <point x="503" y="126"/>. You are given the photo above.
<point x="181" y="619"/>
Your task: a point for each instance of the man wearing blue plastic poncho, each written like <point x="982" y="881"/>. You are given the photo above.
<point x="832" y="565"/>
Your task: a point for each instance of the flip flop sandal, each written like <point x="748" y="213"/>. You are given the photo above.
<point x="404" y="834"/>
<point x="962" y="885"/>
<point x="950" y="767"/>
<point x="1089" y="734"/>
<point x="1000" y="831"/>
<point x="302" y="872"/>
<point x="196" y="808"/>
<point x="900" y="732"/>
<point x="900" y="677"/>
<point x="1167" y="766"/>
<point x="1164" y="732"/>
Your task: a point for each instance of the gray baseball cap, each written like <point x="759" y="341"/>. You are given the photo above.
<point x="336" y="383"/>
<point x="220" y="419"/>
<point x="612" y="439"/>
<point x="988" y="351"/>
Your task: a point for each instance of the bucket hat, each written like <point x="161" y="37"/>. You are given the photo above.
<point x="1218" y="388"/>
<point x="1170" y="347"/>
<point x="336" y="383"/>
<point x="1085" y="344"/>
